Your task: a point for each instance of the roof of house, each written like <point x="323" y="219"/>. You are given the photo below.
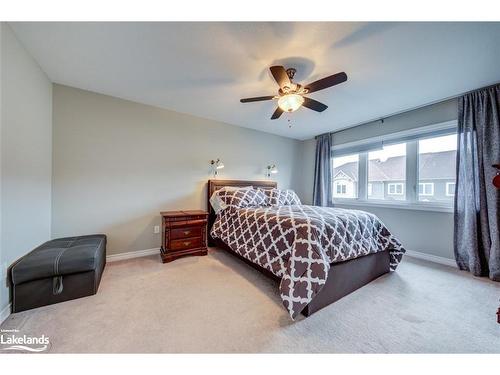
<point x="349" y="169"/>
<point x="432" y="166"/>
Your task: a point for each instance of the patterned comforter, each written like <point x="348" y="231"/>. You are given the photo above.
<point x="298" y="243"/>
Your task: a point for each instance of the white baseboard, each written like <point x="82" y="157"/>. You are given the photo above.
<point x="4" y="314"/>
<point x="132" y="254"/>
<point x="156" y="250"/>
<point x="431" y="258"/>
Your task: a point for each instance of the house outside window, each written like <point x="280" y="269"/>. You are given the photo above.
<point x="370" y="189"/>
<point x="345" y="176"/>
<point x="395" y="188"/>
<point x="341" y="187"/>
<point x="387" y="172"/>
<point x="450" y="189"/>
<point x="426" y="188"/>
<point x="436" y="166"/>
<point x="344" y="187"/>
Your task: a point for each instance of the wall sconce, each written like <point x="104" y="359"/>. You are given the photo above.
<point x="271" y="169"/>
<point x="216" y="165"/>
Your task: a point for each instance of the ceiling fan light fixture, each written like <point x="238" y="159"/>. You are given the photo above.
<point x="290" y="94"/>
<point x="290" y="102"/>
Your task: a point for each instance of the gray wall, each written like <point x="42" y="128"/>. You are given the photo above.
<point x="25" y="155"/>
<point x="306" y="167"/>
<point x="423" y="231"/>
<point x="432" y="114"/>
<point x="118" y="163"/>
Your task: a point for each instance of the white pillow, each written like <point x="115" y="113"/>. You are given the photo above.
<point x="217" y="204"/>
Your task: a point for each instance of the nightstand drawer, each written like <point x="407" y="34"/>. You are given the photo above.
<point x="185" y="232"/>
<point x="188" y="243"/>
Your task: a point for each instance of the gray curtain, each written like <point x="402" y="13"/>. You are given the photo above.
<point x="477" y="201"/>
<point x="323" y="171"/>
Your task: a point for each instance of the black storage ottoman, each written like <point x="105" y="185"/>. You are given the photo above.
<point x="57" y="271"/>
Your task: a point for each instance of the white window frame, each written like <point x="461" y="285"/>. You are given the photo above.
<point x="447" y="189"/>
<point x="341" y="184"/>
<point x="424" y="184"/>
<point x="395" y="185"/>
<point x="410" y="191"/>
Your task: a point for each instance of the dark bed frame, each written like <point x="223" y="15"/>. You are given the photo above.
<point x="343" y="278"/>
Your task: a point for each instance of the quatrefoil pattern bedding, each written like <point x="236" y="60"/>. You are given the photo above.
<point x="278" y="197"/>
<point x="298" y="243"/>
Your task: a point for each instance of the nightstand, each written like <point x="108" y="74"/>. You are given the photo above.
<point x="183" y="233"/>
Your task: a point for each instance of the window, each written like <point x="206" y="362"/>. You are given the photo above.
<point x="450" y="189"/>
<point x="395" y="189"/>
<point x="426" y="188"/>
<point x="387" y="172"/>
<point x="436" y="168"/>
<point x="415" y="168"/>
<point x="341" y="187"/>
<point x="345" y="176"/>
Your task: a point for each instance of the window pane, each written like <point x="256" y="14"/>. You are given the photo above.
<point x="345" y="176"/>
<point x="387" y="173"/>
<point x="450" y="189"/>
<point x="436" y="168"/>
<point x="426" y="188"/>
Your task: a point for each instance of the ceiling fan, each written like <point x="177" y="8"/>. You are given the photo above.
<point x="291" y="95"/>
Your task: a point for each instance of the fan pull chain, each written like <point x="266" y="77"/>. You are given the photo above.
<point x="288" y="120"/>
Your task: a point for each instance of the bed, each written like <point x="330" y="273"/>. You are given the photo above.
<point x="317" y="254"/>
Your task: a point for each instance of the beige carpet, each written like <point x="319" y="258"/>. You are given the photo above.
<point x="219" y="304"/>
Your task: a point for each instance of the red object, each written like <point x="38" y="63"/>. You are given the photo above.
<point x="496" y="179"/>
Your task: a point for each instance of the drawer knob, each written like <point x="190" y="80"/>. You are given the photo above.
<point x="186" y="232"/>
<point x="187" y="243"/>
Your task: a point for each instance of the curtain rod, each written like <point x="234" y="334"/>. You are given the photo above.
<point x="409" y="110"/>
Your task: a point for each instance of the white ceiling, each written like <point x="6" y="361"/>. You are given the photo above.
<point x="205" y="68"/>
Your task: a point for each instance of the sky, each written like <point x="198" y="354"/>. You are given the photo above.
<point x="437" y="144"/>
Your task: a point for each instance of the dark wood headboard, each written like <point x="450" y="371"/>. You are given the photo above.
<point x="214" y="185"/>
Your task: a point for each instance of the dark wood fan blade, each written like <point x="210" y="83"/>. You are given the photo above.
<point x="279" y="74"/>
<point x="326" y="82"/>
<point x="256" y="99"/>
<point x="314" y="105"/>
<point x="277" y="113"/>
